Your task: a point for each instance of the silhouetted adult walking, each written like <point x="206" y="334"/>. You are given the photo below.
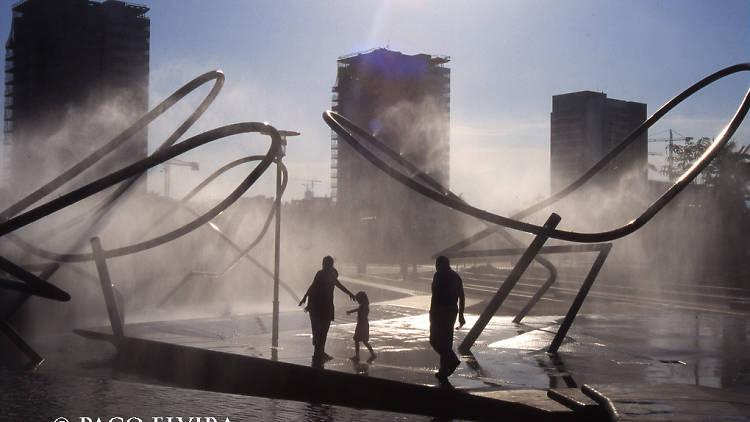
<point x="447" y="289"/>
<point x="319" y="298"/>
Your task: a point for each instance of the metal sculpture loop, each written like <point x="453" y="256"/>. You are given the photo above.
<point x="412" y="177"/>
<point x="165" y="152"/>
<point x="356" y="137"/>
<point x="17" y="216"/>
<point x="126" y="134"/>
<point x="139" y="167"/>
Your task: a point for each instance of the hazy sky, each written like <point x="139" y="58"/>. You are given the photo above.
<point x="507" y="60"/>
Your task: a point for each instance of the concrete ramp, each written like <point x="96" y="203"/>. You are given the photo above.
<point x="195" y="368"/>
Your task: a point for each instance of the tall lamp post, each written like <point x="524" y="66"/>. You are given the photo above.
<point x="277" y="247"/>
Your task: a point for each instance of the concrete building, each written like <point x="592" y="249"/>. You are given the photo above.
<point x="76" y="72"/>
<point x="404" y="100"/>
<point x="584" y="127"/>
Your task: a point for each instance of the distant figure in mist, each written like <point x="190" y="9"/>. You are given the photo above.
<point x="319" y="299"/>
<point x="447" y="290"/>
<point x="362" y="332"/>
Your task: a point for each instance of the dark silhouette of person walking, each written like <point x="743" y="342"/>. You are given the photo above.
<point x="447" y="289"/>
<point x="319" y="298"/>
<point x="362" y="332"/>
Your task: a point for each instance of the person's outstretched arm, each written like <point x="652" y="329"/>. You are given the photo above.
<point x="352" y="311"/>
<point x="344" y="289"/>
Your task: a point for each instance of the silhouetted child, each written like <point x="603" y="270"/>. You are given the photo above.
<point x="362" y="332"/>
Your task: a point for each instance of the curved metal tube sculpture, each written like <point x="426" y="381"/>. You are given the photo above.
<point x="130" y="171"/>
<point x="126" y="134"/>
<point x="242" y="253"/>
<point x="134" y="169"/>
<point x="54" y="256"/>
<point x="414" y="171"/>
<point x="41" y="287"/>
<point x="14" y="217"/>
<point x="352" y="134"/>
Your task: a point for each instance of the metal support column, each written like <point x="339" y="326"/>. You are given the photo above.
<point x="276" y="261"/>
<point x="9" y="332"/>
<point x="580" y="297"/>
<point x="277" y="246"/>
<point x="508" y="285"/>
<point x="12" y="309"/>
<point x="107" y="290"/>
<point x="36" y="285"/>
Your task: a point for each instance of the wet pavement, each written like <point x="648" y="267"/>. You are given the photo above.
<point x="47" y="397"/>
<point x="697" y="339"/>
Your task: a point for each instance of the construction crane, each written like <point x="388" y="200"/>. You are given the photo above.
<point x="671" y="171"/>
<point x="309" y="187"/>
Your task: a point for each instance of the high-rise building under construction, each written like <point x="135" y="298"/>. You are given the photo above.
<point x="584" y="127"/>
<point x="75" y="72"/>
<point x="404" y="100"/>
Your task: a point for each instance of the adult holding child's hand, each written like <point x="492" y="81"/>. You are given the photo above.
<point x="319" y="299"/>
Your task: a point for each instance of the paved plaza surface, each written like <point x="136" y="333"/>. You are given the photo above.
<point x="672" y="345"/>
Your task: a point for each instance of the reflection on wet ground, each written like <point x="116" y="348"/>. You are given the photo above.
<point x="689" y="348"/>
<point x="46" y="397"/>
<point x="671" y="345"/>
